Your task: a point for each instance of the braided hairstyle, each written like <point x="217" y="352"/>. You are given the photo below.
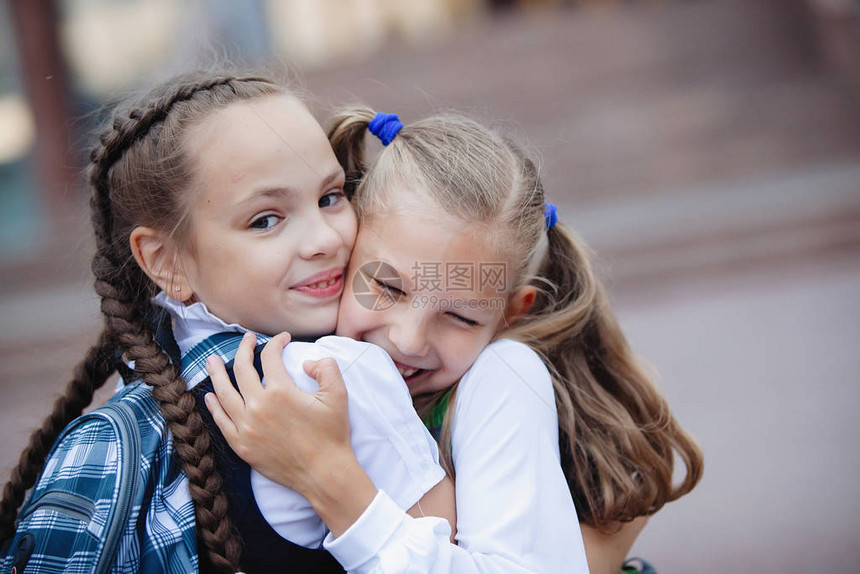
<point x="139" y="173"/>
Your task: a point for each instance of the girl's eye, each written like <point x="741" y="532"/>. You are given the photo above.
<point x="464" y="320"/>
<point x="388" y="287"/>
<point x="332" y="198"/>
<point x="265" y="222"/>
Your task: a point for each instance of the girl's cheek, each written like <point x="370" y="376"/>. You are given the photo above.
<point x="354" y="320"/>
<point x="462" y="353"/>
<point x="349" y="228"/>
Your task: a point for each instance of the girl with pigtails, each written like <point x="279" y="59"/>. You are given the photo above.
<point x="538" y="401"/>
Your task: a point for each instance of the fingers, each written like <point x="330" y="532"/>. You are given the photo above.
<point x="273" y="365"/>
<point x="222" y="419"/>
<point x="243" y="367"/>
<point x="230" y="401"/>
<point x="331" y="394"/>
<point x="327" y="374"/>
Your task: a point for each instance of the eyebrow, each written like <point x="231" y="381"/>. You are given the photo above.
<point x="331" y="177"/>
<point x="289" y="191"/>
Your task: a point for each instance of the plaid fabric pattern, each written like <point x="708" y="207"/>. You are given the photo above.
<point x="224" y="345"/>
<point x="80" y="487"/>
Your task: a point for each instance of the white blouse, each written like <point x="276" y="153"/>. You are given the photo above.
<point x="514" y="509"/>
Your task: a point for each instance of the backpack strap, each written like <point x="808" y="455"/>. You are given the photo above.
<point x="46" y="540"/>
<point x="124" y="420"/>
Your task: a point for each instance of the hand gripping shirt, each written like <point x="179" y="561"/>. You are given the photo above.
<point x="389" y="440"/>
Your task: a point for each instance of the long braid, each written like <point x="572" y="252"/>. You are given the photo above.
<point x="146" y="136"/>
<point x="124" y="306"/>
<point x="190" y="437"/>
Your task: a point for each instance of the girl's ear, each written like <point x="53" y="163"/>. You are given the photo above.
<point x="520" y="303"/>
<point x="157" y="256"/>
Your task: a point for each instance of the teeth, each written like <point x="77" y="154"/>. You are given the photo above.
<point x="322" y="284"/>
<point x="407" y="372"/>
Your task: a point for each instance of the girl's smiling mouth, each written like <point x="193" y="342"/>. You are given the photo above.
<point x="410" y="374"/>
<point x="322" y="285"/>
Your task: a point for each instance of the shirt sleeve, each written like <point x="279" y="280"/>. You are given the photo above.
<point x="514" y="510"/>
<point x="390" y="442"/>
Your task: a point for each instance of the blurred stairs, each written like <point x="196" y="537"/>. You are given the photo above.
<point x="680" y="138"/>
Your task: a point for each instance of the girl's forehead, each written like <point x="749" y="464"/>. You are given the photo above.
<point x="267" y="143"/>
<point x="420" y="246"/>
<point x="278" y="120"/>
<point x="266" y="107"/>
<point x="410" y="211"/>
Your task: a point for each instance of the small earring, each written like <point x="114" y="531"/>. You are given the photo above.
<point x="177" y="288"/>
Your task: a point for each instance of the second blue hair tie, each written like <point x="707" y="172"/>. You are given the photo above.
<point x="549" y="214"/>
<point x="385" y="127"/>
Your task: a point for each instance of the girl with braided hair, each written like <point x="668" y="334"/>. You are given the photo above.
<point x="218" y="208"/>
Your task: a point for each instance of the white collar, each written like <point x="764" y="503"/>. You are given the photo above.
<point x="193" y="323"/>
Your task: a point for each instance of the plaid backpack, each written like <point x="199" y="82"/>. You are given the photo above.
<point x="97" y="480"/>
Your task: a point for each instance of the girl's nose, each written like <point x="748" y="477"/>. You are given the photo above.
<point x="409" y="334"/>
<point x="321" y="240"/>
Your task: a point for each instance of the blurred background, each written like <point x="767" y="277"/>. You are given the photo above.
<point x="709" y="151"/>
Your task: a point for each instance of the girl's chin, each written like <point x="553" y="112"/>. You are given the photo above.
<point x="342" y="330"/>
<point x="313" y="326"/>
<point x="426" y="385"/>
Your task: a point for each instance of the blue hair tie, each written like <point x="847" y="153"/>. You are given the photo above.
<point x="549" y="214"/>
<point x="385" y="127"/>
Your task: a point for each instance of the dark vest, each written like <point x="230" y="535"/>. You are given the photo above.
<point x="263" y="549"/>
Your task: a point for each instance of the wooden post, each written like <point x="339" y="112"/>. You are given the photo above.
<point x="45" y="78"/>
